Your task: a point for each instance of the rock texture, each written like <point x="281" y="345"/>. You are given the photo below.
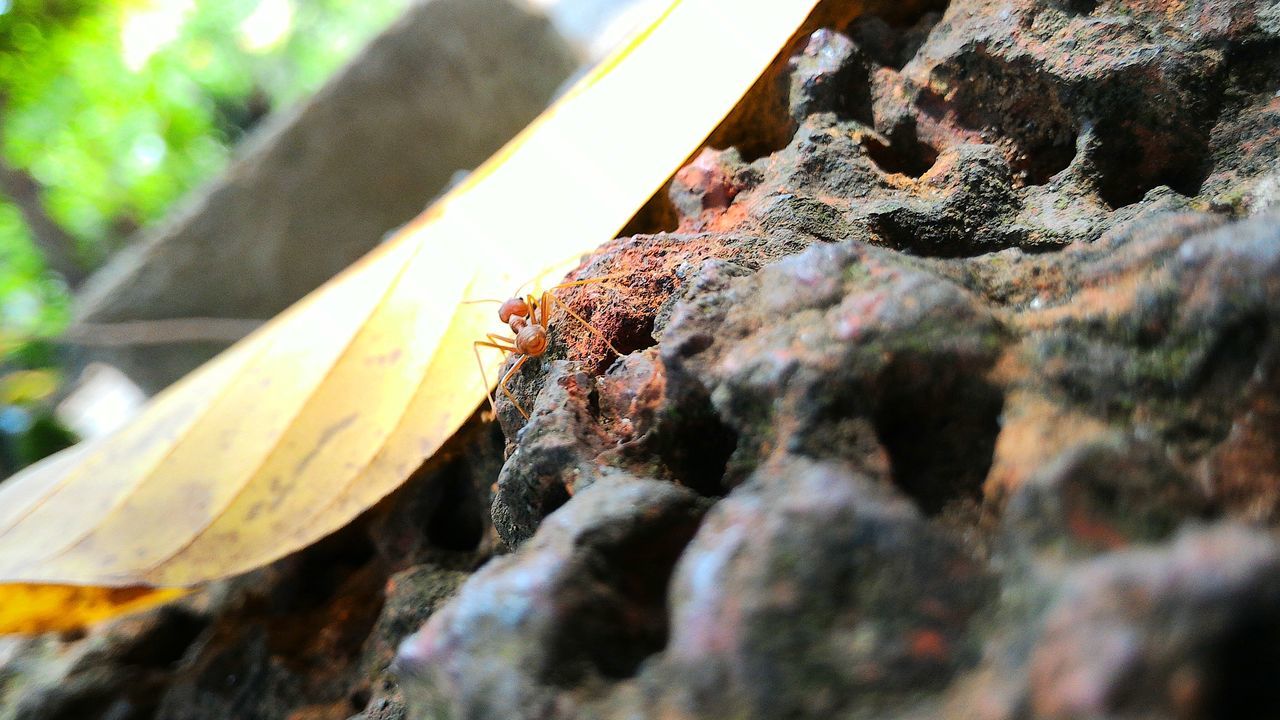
<point x="978" y="373"/>
<point x="962" y="403"/>
<point x="434" y="95"/>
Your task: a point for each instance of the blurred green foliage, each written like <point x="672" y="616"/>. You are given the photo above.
<point x="118" y="108"/>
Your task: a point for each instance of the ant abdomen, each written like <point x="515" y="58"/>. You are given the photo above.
<point x="532" y="340"/>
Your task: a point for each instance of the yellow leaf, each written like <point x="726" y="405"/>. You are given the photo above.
<point x="294" y="431"/>
<point x="43" y="608"/>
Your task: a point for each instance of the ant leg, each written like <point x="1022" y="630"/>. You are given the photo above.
<point x="538" y="311"/>
<point x="503" y="385"/>
<point x="475" y="348"/>
<point x="549" y="297"/>
<point x="545" y="303"/>
<point x="509" y="343"/>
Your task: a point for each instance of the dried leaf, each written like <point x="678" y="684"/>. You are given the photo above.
<point x="38" y="608"/>
<point x="290" y="434"/>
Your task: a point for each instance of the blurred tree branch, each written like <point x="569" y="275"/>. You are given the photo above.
<point x="160" y="332"/>
<point x="56" y="245"/>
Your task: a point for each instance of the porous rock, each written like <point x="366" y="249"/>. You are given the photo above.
<point x="1187" y="628"/>
<point x="979" y="369"/>
<point x="580" y="604"/>
<point x="810" y="591"/>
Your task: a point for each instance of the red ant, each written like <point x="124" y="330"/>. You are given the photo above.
<point x="529" y="319"/>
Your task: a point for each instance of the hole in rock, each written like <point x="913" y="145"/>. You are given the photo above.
<point x="623" y="618"/>
<point x="915" y="15"/>
<point x="360" y="698"/>
<point x="1138" y="154"/>
<point x="658" y="215"/>
<point x="336" y="584"/>
<point x="444" y="504"/>
<point x="1244" y="669"/>
<point x="1254" y="70"/>
<point x="457" y="520"/>
<point x="904" y="154"/>
<point x="1039" y="166"/>
<point x="1234" y="356"/>
<point x="554" y="498"/>
<point x="1126" y="174"/>
<point x="893" y="41"/>
<point x="634" y="337"/>
<point x="327" y="565"/>
<point x="73" y="635"/>
<point x="761" y="125"/>
<point x="696" y="448"/>
<point x="939" y="426"/>
<point x="1015" y="104"/>
<point x="927" y="234"/>
<point x="167" y="640"/>
<point x="1079" y="7"/>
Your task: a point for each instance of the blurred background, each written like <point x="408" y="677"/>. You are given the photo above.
<point x="175" y="172"/>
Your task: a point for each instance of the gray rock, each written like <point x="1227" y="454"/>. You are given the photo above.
<point x="1188" y="629"/>
<point x="582" y="602"/>
<point x="810" y="591"/>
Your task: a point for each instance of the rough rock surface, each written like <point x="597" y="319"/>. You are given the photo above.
<point x="962" y="403"/>
<point x="326" y="182"/>
<point x="979" y="371"/>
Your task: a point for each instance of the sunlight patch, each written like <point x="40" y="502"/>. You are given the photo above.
<point x="151" y="27"/>
<point x="267" y="26"/>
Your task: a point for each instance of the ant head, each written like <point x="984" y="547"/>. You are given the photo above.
<point x="513" y="307"/>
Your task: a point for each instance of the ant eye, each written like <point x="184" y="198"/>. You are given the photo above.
<point x="514" y="306"/>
